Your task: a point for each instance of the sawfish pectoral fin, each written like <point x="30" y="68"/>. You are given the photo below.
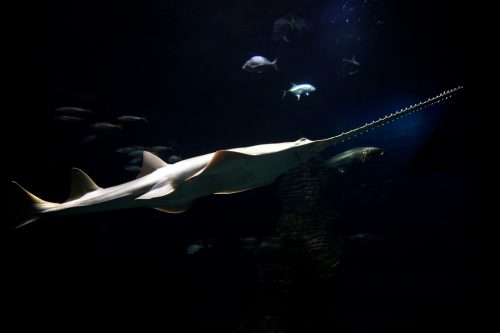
<point x="227" y="166"/>
<point x="223" y="161"/>
<point x="157" y="192"/>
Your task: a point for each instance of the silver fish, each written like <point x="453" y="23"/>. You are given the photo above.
<point x="299" y="89"/>
<point x="173" y="159"/>
<point x="68" y="119"/>
<point x="160" y="149"/>
<point x="136" y="160"/>
<point x="126" y="150"/>
<point x="258" y="64"/>
<point x="103" y="126"/>
<point x="351" y="60"/>
<point x="132" y="119"/>
<point x="136" y="153"/>
<point x="132" y="168"/>
<point x="281" y="28"/>
<point x="352" y="156"/>
<point x="193" y="248"/>
<point x="73" y="110"/>
<point x="91" y="138"/>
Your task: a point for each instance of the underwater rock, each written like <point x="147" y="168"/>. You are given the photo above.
<point x="299" y="191"/>
<point x="306" y="248"/>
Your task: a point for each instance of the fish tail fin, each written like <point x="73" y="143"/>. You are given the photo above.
<point x="284" y="94"/>
<point x="275" y="63"/>
<point x="27" y="207"/>
<point x="145" y="119"/>
<point x="120" y="126"/>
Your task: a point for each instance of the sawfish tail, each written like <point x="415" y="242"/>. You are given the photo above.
<point x="325" y="143"/>
<point x="28" y="207"/>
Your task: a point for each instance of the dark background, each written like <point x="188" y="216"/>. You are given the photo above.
<point x="179" y="64"/>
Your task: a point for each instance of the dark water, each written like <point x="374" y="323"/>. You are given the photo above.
<point x="179" y="64"/>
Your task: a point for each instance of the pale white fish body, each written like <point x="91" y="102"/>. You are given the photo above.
<point x="258" y="64"/>
<point x="172" y="187"/>
<point x="299" y="89"/>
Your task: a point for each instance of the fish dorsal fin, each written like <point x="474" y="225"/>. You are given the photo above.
<point x="81" y="184"/>
<point x="150" y="163"/>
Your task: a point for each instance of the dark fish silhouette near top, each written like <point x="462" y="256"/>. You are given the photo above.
<point x="174" y="159"/>
<point x="72" y="110"/>
<point x="91" y="138"/>
<point x="258" y="64"/>
<point x="132" y="119"/>
<point x="68" y="119"/>
<point x="352" y="60"/>
<point x="282" y="27"/>
<point x="103" y="126"/>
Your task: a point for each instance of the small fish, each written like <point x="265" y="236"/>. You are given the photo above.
<point x="193" y="248"/>
<point x="126" y="150"/>
<point x="136" y="160"/>
<point x="160" y="149"/>
<point x="91" y="138"/>
<point x="351" y="61"/>
<point x="102" y="126"/>
<point x="271" y="243"/>
<point x="132" y="119"/>
<point x="249" y="243"/>
<point x="132" y="168"/>
<point x="299" y="89"/>
<point x="258" y="64"/>
<point x="281" y="28"/>
<point x="352" y="156"/>
<point x="298" y="23"/>
<point x="173" y="159"/>
<point x="367" y="237"/>
<point x="72" y="110"/>
<point x="354" y="72"/>
<point x="68" y="119"/>
<point x="136" y="153"/>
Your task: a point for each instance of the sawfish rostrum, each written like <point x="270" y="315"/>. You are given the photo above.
<point x="173" y="187"/>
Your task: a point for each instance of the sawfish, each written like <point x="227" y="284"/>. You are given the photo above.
<point x="172" y="188"/>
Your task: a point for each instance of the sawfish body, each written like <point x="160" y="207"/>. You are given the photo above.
<point x="173" y="187"/>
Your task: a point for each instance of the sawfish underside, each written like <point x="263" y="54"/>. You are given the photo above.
<point x="173" y="187"/>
